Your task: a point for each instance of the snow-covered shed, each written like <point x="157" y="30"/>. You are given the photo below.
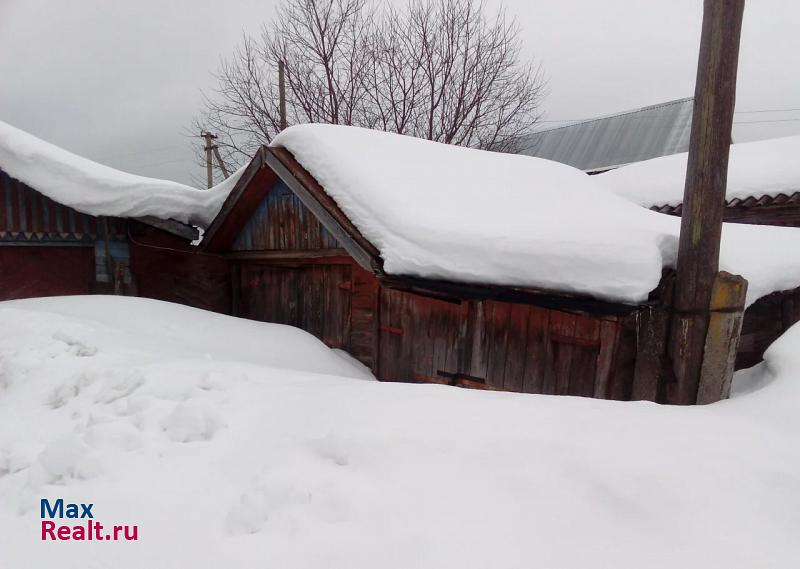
<point x="435" y="263"/>
<point x="72" y="226"/>
<point x="763" y="182"/>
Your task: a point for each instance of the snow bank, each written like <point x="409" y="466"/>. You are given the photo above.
<point x="225" y="459"/>
<point x="95" y="189"/>
<point x="441" y="211"/>
<point x="762" y="168"/>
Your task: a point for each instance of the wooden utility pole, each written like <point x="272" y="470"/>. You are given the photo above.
<point x="213" y="150"/>
<point x="704" y="196"/>
<point x="282" y="94"/>
<point x="210" y="147"/>
<point x="220" y="163"/>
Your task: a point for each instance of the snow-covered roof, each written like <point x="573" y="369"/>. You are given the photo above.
<point x="96" y="189"/>
<point x="755" y="169"/>
<point x="465" y="215"/>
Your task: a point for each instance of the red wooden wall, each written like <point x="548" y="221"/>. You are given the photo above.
<point x="31" y="271"/>
<point x="404" y="336"/>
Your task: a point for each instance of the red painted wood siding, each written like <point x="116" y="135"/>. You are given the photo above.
<point x="32" y="271"/>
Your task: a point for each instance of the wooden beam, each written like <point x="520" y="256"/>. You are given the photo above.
<point x="704" y="193"/>
<point x="278" y="254"/>
<point x="182" y="230"/>
<point x="456" y="292"/>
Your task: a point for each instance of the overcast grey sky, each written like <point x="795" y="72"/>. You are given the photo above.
<point x="119" y="82"/>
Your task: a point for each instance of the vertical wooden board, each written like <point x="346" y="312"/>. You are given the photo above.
<point x="620" y="385"/>
<point x="516" y="348"/>
<point x="236" y="289"/>
<point x="336" y="306"/>
<point x="481" y="346"/>
<point x="395" y="363"/>
<point x="5" y="199"/>
<point x="364" y="317"/>
<point x="583" y="368"/>
<point x="538" y="338"/>
<point x="562" y="325"/>
<point x="446" y="335"/>
<point x="648" y="382"/>
<point x="498" y="315"/>
<point x="14" y="206"/>
<point x="606" y="358"/>
<point x="35" y="212"/>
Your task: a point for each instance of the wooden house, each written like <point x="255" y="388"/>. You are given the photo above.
<point x="70" y="226"/>
<point x="296" y="258"/>
<point x="48" y="248"/>
<point x="763" y="186"/>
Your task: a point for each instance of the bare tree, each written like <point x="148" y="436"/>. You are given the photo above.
<point x="435" y="69"/>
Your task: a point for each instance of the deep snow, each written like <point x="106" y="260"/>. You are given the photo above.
<point x="761" y="168"/>
<point x="440" y="211"/>
<point x="96" y="189"/>
<point x="238" y="444"/>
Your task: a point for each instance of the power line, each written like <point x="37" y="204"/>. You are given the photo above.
<point x="774" y="120"/>
<point x="766" y="111"/>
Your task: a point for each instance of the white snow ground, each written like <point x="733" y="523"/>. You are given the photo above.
<point x="236" y="444"/>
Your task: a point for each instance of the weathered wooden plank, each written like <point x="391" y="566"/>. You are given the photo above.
<point x="538" y="338"/>
<point x="517" y="343"/>
<point x="498" y="315"/>
<point x="583" y="368"/>
<point x="606" y="358"/>
<point x="722" y="338"/>
<point x="281" y="254"/>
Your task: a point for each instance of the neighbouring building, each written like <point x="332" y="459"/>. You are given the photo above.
<point x="611" y="141"/>
<point x="71" y="226"/>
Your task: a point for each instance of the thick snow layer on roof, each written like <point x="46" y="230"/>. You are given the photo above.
<point x="95" y="189"/>
<point x="445" y="212"/>
<point x="265" y="446"/>
<point x="762" y="168"/>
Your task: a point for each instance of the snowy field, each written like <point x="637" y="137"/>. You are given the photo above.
<point x="234" y="444"/>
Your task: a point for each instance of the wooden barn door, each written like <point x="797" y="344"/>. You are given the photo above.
<point x="421" y="338"/>
<point x="315" y="298"/>
<point x="518" y="347"/>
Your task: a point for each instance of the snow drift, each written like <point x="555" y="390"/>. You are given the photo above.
<point x="95" y="189"/>
<point x="284" y="456"/>
<point x="446" y="212"/>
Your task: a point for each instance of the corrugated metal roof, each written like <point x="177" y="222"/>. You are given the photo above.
<point x="616" y="140"/>
<point x="748" y="202"/>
